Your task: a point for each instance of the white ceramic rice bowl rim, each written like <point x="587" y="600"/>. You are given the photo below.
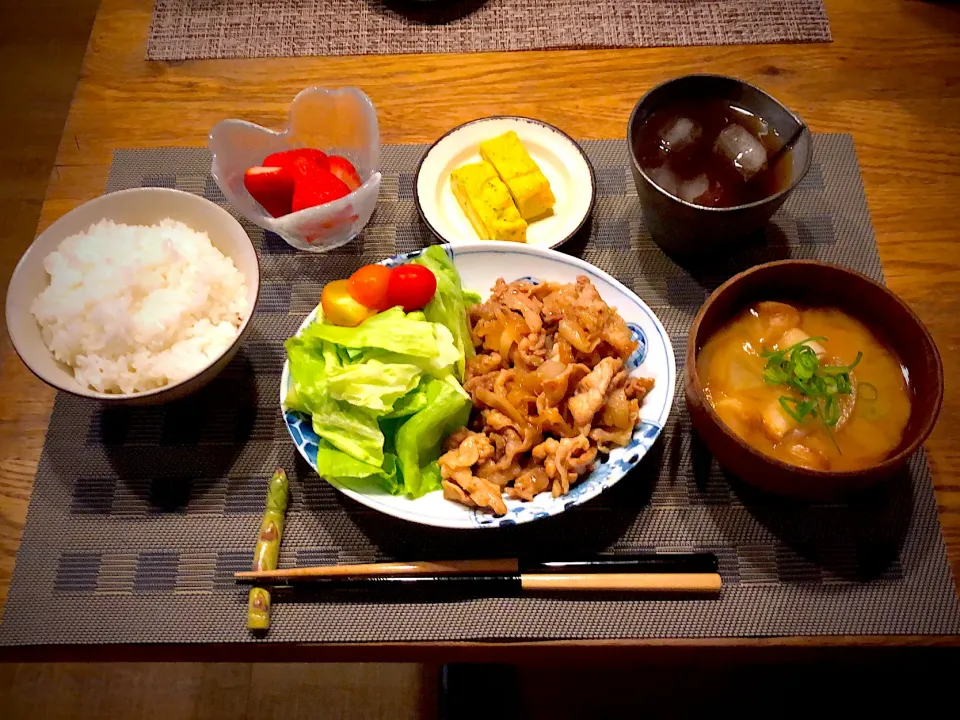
<point x="230" y="224"/>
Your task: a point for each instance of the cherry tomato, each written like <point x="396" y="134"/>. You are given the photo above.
<point x="368" y="286"/>
<point x="411" y="286"/>
<point x="341" y="309"/>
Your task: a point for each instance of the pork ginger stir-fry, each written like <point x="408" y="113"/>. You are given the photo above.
<point x="550" y="393"/>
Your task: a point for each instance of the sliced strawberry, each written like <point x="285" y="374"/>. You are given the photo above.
<point x="314" y="186"/>
<point x="344" y="169"/>
<point x="286" y="158"/>
<point x="272" y="187"/>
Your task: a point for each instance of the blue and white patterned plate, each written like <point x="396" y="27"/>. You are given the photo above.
<point x="480" y="264"/>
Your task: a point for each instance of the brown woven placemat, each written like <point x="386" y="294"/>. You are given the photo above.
<point x="139" y="517"/>
<point x="197" y="29"/>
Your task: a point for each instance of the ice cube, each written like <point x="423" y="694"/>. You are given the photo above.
<point x="764" y="130"/>
<point x="679" y="135"/>
<point x="741" y="148"/>
<point x="716" y="196"/>
<point x="691" y="190"/>
<point x="665" y="178"/>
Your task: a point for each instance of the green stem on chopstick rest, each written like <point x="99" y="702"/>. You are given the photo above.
<point x="268" y="549"/>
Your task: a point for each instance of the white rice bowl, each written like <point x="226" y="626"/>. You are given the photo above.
<point x="132" y="308"/>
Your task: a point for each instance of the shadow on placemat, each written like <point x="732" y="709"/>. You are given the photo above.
<point x="429" y="12"/>
<point x="710" y="271"/>
<point x="169" y="456"/>
<point x="766" y="245"/>
<point x="581" y="531"/>
<point x="857" y="540"/>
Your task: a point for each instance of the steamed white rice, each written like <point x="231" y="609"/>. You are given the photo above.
<point x="132" y="308"/>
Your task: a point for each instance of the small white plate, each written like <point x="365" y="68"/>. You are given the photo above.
<point x="560" y="158"/>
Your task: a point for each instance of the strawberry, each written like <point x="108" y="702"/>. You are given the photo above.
<point x="344" y="169"/>
<point x="286" y="158"/>
<point x="314" y="186"/>
<point x="272" y="187"/>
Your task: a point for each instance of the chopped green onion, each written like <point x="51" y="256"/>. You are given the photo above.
<point x="775" y="375"/>
<point x="831" y="411"/>
<point x="798" y="368"/>
<point x="832" y="439"/>
<point x="804" y="362"/>
<point x="844" y="368"/>
<point x="797" y="409"/>
<point x="844" y="387"/>
<point x="831" y="385"/>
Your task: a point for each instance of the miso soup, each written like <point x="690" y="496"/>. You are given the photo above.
<point x="808" y="386"/>
<point x="713" y="153"/>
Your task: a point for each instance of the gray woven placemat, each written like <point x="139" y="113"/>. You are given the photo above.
<point x="139" y="516"/>
<point x="196" y="29"/>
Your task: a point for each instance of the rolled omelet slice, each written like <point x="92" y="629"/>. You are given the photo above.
<point x="528" y="185"/>
<point x="487" y="203"/>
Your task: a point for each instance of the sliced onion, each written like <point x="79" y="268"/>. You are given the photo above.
<point x="531" y="382"/>
<point x="616" y="411"/>
<point x="550" y="369"/>
<point x="574" y="334"/>
<point x="491" y="399"/>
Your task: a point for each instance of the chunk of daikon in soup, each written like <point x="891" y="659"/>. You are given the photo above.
<point x="796" y="336"/>
<point x="773" y="320"/>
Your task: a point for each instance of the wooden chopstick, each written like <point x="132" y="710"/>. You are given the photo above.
<point x="649" y="563"/>
<point x="441" y="587"/>
<point x="666" y="573"/>
<point x="623" y="582"/>
<point x="447" y="567"/>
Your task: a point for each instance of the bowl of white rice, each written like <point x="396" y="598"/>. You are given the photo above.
<point x="140" y="296"/>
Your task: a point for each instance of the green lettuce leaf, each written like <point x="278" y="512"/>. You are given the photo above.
<point x="373" y="384"/>
<point x="430" y="478"/>
<point x="449" y="305"/>
<point x="439" y="366"/>
<point x="351" y="429"/>
<point x="331" y="357"/>
<point x="390" y="330"/>
<point x="410" y="404"/>
<point x="333" y="464"/>
<point x="384" y="394"/>
<point x="418" y="439"/>
<point x="307" y="368"/>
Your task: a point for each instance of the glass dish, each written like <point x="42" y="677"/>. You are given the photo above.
<point x="342" y="122"/>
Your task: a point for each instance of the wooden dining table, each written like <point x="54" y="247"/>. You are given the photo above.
<point x="891" y="78"/>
